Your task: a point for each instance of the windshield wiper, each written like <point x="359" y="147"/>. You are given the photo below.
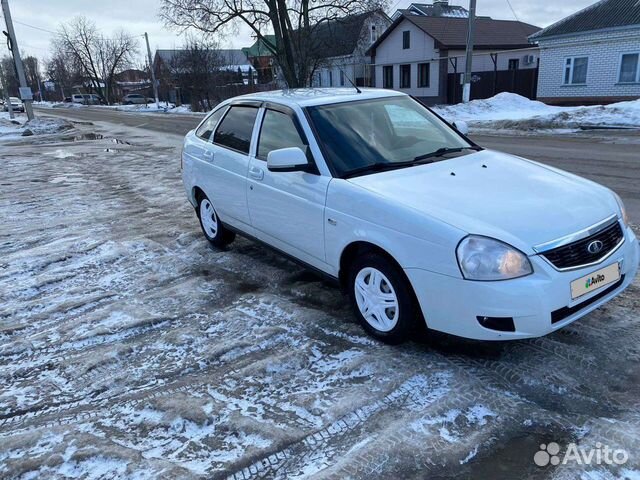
<point x="443" y="151"/>
<point x="385" y="166"/>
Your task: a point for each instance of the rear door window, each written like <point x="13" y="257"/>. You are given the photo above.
<point x="205" y="130"/>
<point x="235" y="130"/>
<point x="279" y="130"/>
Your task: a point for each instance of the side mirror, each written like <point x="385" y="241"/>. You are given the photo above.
<point x="461" y="126"/>
<point x="290" y="159"/>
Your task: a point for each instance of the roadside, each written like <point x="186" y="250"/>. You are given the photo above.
<point x="608" y="157"/>
<point x="129" y="347"/>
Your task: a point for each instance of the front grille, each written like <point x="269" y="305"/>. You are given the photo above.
<point x="577" y="253"/>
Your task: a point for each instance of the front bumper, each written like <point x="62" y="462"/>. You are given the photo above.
<point x="452" y="304"/>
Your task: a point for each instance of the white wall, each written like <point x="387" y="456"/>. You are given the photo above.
<point x="604" y="51"/>
<point x="422" y="49"/>
<point x="482" y="60"/>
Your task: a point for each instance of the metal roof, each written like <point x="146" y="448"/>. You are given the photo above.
<point x="451" y="33"/>
<point x="602" y="15"/>
<point x="305" y="97"/>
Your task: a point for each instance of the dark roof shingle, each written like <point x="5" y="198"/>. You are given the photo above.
<point x="601" y="15"/>
<point x="452" y="32"/>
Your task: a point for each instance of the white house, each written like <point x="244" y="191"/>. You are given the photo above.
<point x="424" y="55"/>
<point x="592" y="56"/>
<point x="343" y="43"/>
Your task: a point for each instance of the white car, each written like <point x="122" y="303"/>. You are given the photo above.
<point x="410" y="217"/>
<point x="16" y="105"/>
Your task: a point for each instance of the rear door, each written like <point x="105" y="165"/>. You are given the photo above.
<point x="228" y="161"/>
<point x="287" y="208"/>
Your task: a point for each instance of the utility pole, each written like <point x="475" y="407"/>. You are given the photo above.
<point x="153" y="74"/>
<point x="466" y="88"/>
<point x="7" y="98"/>
<point x="25" y="91"/>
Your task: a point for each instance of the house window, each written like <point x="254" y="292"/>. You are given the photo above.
<point x="514" y="63"/>
<point x="630" y="68"/>
<point x="406" y="39"/>
<point x="374" y="33"/>
<point x="330" y="78"/>
<point x="423" y="75"/>
<point x="387" y="76"/>
<point x="405" y="76"/>
<point x="341" y="78"/>
<point x="575" y="70"/>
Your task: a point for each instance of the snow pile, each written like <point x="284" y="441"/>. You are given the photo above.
<point x="19" y="127"/>
<point x="512" y="111"/>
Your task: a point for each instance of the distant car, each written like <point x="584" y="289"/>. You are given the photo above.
<point x="87" y="99"/>
<point x="16" y="105"/>
<point x="136" y="98"/>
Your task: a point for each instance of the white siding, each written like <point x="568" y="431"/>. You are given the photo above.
<point x="422" y="49"/>
<point x="604" y="51"/>
<point x="482" y="60"/>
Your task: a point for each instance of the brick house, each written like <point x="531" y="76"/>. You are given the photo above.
<point x="592" y="56"/>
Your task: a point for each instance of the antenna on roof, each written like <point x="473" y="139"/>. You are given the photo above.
<point x="351" y="82"/>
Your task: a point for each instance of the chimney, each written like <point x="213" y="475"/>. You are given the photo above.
<point x="438" y="7"/>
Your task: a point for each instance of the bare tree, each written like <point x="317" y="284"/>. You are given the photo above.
<point x="197" y="69"/>
<point x="100" y="57"/>
<point x="293" y="22"/>
<point x="65" y="71"/>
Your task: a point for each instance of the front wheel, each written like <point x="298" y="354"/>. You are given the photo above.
<point x="214" y="231"/>
<point x="382" y="298"/>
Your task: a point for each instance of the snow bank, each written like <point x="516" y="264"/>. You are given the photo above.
<point x="512" y="111"/>
<point x="19" y="127"/>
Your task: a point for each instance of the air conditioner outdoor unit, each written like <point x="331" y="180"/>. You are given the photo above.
<point x="529" y="59"/>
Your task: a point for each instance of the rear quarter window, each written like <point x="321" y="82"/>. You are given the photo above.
<point x="205" y="130"/>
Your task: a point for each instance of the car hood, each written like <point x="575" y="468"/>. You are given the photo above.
<point x="498" y="195"/>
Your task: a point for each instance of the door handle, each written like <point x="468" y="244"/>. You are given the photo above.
<point x="208" y="154"/>
<point x="256" y="173"/>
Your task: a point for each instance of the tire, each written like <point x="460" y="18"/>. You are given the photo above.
<point x="212" y="228"/>
<point x="392" y="324"/>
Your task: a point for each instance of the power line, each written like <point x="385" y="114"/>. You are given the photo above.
<point x="34" y="27"/>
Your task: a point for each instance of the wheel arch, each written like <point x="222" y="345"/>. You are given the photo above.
<point x="196" y="195"/>
<point x="355" y="249"/>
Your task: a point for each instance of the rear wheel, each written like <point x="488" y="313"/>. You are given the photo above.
<point x="382" y="298"/>
<point x="214" y="231"/>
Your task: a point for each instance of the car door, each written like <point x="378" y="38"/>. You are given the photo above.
<point x="287" y="208"/>
<point x="228" y="158"/>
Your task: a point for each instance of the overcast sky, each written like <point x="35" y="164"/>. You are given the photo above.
<point x="138" y="16"/>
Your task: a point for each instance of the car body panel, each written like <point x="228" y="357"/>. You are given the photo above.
<point x="418" y="215"/>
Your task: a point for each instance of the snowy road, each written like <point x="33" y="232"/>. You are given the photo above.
<point x="130" y="349"/>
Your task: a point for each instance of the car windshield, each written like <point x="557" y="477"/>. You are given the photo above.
<point x="15" y="99"/>
<point x="373" y="135"/>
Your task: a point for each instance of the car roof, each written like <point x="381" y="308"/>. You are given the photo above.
<point x="306" y="97"/>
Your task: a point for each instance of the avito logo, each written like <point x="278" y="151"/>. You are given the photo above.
<point x="594" y="280"/>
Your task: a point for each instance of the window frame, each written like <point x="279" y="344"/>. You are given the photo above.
<point x="405" y="68"/>
<point x="421" y="82"/>
<point x="387" y="68"/>
<point x="284" y="111"/>
<point x="249" y="104"/>
<point x="637" y="77"/>
<point x="406" y="39"/>
<point x="571" y="67"/>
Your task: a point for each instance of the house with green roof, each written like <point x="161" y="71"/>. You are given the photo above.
<point x="260" y="56"/>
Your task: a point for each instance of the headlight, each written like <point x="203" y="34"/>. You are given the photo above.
<point x="625" y="218"/>
<point x="483" y="258"/>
